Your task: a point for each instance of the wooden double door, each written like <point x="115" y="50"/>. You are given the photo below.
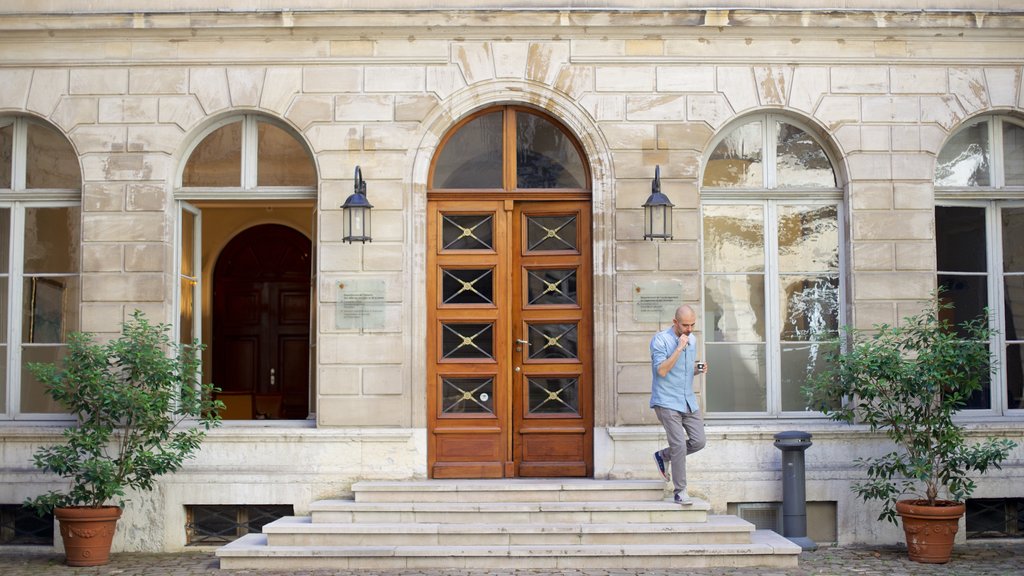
<point x="510" y="370"/>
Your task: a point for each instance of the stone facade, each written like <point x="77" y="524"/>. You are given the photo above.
<point x="132" y="90"/>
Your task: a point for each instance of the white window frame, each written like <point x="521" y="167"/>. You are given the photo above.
<point x="993" y="199"/>
<point x="249" y="191"/>
<point x="770" y="196"/>
<point x="17" y="199"/>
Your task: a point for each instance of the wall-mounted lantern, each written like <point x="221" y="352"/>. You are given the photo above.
<point x="657" y="212"/>
<point x="356" y="226"/>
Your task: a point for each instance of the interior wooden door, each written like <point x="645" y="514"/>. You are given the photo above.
<point x="510" y="388"/>
<point x="261" y="313"/>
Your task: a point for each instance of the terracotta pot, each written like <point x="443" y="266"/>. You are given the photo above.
<point x="87" y="533"/>
<point x="930" y="530"/>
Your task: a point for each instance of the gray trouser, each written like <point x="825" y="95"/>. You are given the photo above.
<point x="685" y="432"/>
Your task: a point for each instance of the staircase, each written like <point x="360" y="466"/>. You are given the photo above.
<point x="516" y="523"/>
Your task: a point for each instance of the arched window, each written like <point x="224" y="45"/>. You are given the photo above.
<point x="772" y="289"/>
<point x="509" y="148"/>
<point x="40" y="233"/>
<point x="979" y="244"/>
<point x="247" y="152"/>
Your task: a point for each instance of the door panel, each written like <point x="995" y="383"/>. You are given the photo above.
<point x="551" y="309"/>
<point x="501" y="272"/>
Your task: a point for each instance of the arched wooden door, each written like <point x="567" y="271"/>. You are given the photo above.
<point x="261" y="308"/>
<point x="510" y="368"/>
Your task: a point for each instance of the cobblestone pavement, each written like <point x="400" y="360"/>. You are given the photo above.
<point x="974" y="559"/>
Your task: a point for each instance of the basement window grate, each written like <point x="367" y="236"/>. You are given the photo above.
<point x="763" y="515"/>
<point x="20" y="526"/>
<point x="995" y="518"/>
<point x="213" y="525"/>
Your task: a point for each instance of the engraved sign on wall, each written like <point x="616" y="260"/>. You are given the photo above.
<point x="657" y="300"/>
<point x="360" y="305"/>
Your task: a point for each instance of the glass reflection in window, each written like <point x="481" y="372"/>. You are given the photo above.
<point x="737" y="161"/>
<point x="471" y="158"/>
<point x="281" y="159"/>
<point x="965" y="159"/>
<point x="1013" y="153"/>
<point x="51" y="162"/>
<point x="217" y="160"/>
<point x="800" y="161"/>
<point x="545" y="156"/>
<point x="6" y="155"/>
<point x="808" y="238"/>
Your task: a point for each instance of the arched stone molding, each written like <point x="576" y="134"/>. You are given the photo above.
<point x="584" y="128"/>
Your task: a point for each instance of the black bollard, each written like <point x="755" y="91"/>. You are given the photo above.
<point x="794" y="496"/>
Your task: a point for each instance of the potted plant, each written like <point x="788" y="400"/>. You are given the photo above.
<point x="909" y="381"/>
<point x="131" y="397"/>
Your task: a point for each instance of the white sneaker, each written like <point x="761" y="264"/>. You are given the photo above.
<point x="683" y="499"/>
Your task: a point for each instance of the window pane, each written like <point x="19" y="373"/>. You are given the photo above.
<point x="33" y="393"/>
<point x="188" y="237"/>
<point x="5" y="240"/>
<point x="960" y="239"/>
<point x="964" y="160"/>
<point x="467" y="341"/>
<point x="554" y="396"/>
<point x="800" y="161"/>
<point x="471" y="158"/>
<point x="545" y="156"/>
<point x="467" y="286"/>
<point x="810" y="307"/>
<point x="553" y="341"/>
<point x="52" y="240"/>
<point x="3" y="374"/>
<point x="1015" y="377"/>
<point x="808" y="238"/>
<point x="800" y="362"/>
<point x="467" y="231"/>
<point x="1013" y="239"/>
<point x="550" y="287"/>
<point x="1013" y="154"/>
<point x="188" y="302"/>
<point x="467" y="395"/>
<point x="550" y="233"/>
<point x="1013" y="286"/>
<point x="734" y="308"/>
<point x="50" y="160"/>
<point x="217" y="160"/>
<point x="737" y="381"/>
<point x="281" y="159"/>
<point x="50" y="309"/>
<point x="968" y="294"/>
<point x="733" y="238"/>
<point x="6" y="154"/>
<point x="737" y="160"/>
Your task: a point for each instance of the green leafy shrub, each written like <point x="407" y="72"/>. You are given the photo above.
<point x="141" y="410"/>
<point x="909" y="381"/>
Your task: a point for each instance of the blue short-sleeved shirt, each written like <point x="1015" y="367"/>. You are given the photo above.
<point x="675" y="390"/>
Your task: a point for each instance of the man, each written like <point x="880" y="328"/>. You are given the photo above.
<point x="673" y="355"/>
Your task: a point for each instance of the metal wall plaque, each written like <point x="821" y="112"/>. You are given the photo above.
<point x="360" y="305"/>
<point x="656" y="301"/>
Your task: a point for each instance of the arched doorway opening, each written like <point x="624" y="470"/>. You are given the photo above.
<point x="509" y="300"/>
<point x="261" y="319"/>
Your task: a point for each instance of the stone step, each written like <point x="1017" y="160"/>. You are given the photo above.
<point x="663" y="511"/>
<point x="510" y="490"/>
<point x="301" y="531"/>
<point x="766" y="549"/>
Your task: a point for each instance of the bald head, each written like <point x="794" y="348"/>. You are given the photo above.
<point x="684" y="321"/>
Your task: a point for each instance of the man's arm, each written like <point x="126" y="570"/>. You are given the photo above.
<point x="666" y="366"/>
